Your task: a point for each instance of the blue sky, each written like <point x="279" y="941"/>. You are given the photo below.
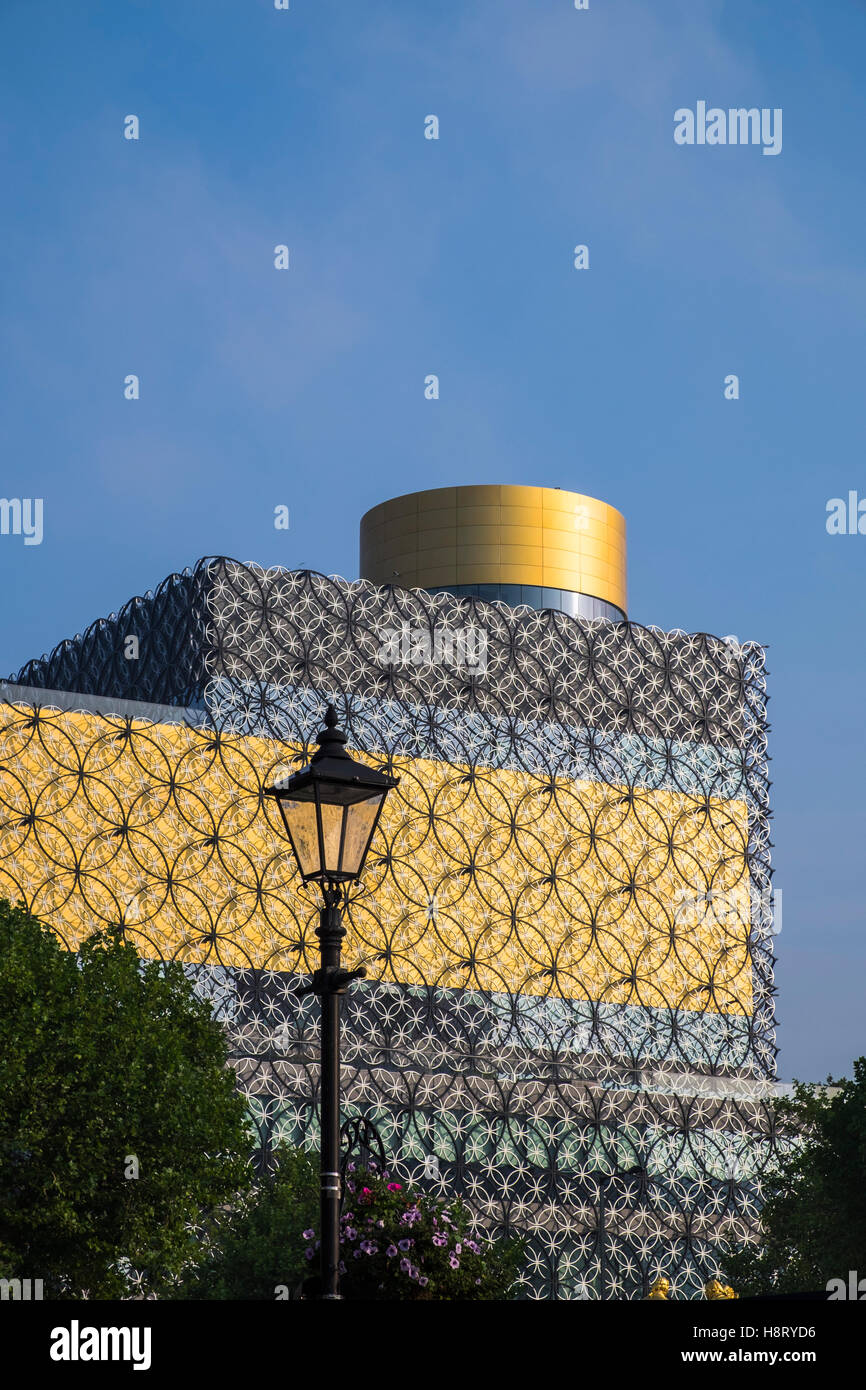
<point x="454" y="257"/>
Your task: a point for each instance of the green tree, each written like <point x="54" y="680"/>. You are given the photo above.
<point x="258" y="1246"/>
<point x="119" y="1118"/>
<point x="813" y="1226"/>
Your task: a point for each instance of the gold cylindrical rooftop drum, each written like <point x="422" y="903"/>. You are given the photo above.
<point x="500" y="541"/>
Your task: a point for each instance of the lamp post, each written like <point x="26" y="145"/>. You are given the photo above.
<point x="330" y="810"/>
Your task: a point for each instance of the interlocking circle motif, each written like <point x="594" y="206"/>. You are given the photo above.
<point x="566" y="916"/>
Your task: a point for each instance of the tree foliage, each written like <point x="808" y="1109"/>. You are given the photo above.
<point x="119" y="1117"/>
<point x="257" y="1247"/>
<point x="813" y="1227"/>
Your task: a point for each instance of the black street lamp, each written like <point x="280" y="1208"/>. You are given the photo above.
<point x="330" y="810"/>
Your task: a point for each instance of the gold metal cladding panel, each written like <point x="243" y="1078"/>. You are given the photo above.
<point x="521" y="516"/>
<point x="489" y="533"/>
<point x="480" y="494"/>
<point x="477" y="516"/>
<point x="437" y="576"/>
<point x="399" y="507"/>
<point x="445" y="558"/>
<point x="436" y="538"/>
<point x="521" y="535"/>
<point x="484" y="554"/>
<point x="440" y="519"/>
<point x="518" y="532"/>
<point x="500" y="881"/>
<point x="478" y="573"/>
<point x="567" y="579"/>
<point x="526" y="556"/>
<point x="436" y="497"/>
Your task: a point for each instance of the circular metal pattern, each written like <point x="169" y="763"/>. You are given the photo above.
<point x="566" y="912"/>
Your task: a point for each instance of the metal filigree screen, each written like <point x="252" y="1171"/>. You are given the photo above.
<point x="566" y="913"/>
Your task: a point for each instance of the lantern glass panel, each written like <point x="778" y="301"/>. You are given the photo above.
<point x="360" y="820"/>
<point x="332" y="834"/>
<point x="300" y="819"/>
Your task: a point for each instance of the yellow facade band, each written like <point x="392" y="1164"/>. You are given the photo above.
<point x="497" y="534"/>
<point x="487" y="879"/>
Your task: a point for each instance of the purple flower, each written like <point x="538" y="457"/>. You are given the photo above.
<point x="380" y="1223"/>
<point x="309" y="1252"/>
<point x="405" y="1266"/>
<point x="357" y="1254"/>
<point x="385" y="1177"/>
<point x="458" y="1249"/>
<point x="351" y="1233"/>
<point x="405" y="1244"/>
<point x="453" y="1261"/>
<point x="423" y="1281"/>
<point x="478" y="1281"/>
<point x="368" y="1247"/>
<point x="391" y="1251"/>
<point x="351" y="1167"/>
<point x="309" y="1235"/>
<point x="440" y="1240"/>
<point x="470" y="1245"/>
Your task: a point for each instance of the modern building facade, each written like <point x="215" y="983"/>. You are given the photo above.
<point x="566" y="913"/>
